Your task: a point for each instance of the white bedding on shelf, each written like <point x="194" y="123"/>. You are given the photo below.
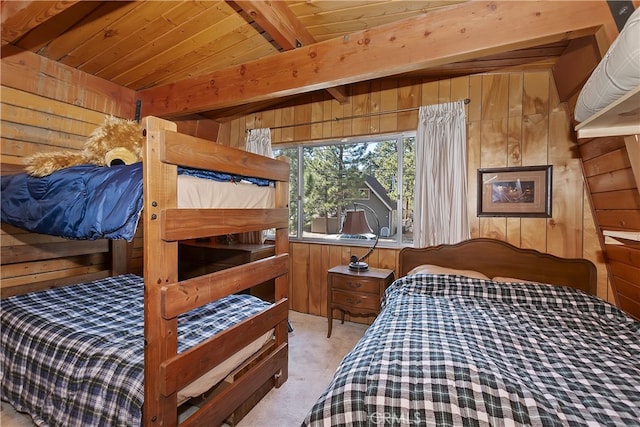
<point x="617" y="74"/>
<point x="205" y="193"/>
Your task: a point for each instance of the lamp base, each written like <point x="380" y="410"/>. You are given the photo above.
<point x="358" y="266"/>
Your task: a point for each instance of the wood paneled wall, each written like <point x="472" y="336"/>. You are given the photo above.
<point x="46" y="107"/>
<point x="514" y="119"/>
<point x="612" y="170"/>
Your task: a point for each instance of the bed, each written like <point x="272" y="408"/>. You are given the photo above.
<point x="148" y="354"/>
<point x="451" y="348"/>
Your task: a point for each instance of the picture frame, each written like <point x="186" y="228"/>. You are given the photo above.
<point x="523" y="191"/>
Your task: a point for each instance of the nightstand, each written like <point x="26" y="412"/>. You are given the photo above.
<point x="356" y="292"/>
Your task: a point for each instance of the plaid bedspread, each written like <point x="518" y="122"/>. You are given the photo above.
<point x="453" y="351"/>
<point x="73" y="356"/>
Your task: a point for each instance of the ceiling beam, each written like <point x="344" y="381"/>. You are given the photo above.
<point x="277" y="20"/>
<point x="19" y="17"/>
<point x="471" y="30"/>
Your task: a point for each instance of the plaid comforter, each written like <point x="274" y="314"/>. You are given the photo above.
<point x="454" y="351"/>
<point x="73" y="356"/>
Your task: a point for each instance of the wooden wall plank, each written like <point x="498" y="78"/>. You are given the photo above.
<point x="473" y="163"/>
<point x="22" y="253"/>
<point x="61" y="263"/>
<point x="567" y="190"/>
<point x="598" y="146"/>
<point x="622" y="199"/>
<point x="515" y="94"/>
<point x="536" y="93"/>
<point x="302" y="114"/>
<point x="375" y="99"/>
<point x="317" y="115"/>
<point x="388" y="102"/>
<point x="326" y="115"/>
<point x="495" y="96"/>
<point x="37" y="75"/>
<point x="622" y="179"/>
<point x="619" y="220"/>
<point x="460" y="91"/>
<point x="609" y="162"/>
<point x="299" y="276"/>
<point x="361" y="102"/>
<point x="48" y="276"/>
<point x="592" y="250"/>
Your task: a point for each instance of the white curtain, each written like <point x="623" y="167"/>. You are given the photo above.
<point x="440" y="211"/>
<point x="258" y="142"/>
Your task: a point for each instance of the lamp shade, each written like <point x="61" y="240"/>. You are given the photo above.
<point x="355" y="222"/>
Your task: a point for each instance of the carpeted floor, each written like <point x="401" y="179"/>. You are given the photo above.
<point x="313" y="359"/>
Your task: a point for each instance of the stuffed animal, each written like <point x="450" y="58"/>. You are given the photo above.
<point x="116" y="142"/>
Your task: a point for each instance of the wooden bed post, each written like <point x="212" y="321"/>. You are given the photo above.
<point x="160" y="268"/>
<point x="120" y="254"/>
<point x="282" y="282"/>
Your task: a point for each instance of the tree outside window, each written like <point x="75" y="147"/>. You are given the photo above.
<point x="326" y="180"/>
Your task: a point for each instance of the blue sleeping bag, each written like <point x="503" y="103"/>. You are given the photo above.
<point x="81" y="202"/>
<point x="85" y="202"/>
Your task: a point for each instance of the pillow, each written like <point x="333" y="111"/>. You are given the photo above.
<point x="436" y="269"/>
<point x="510" y="280"/>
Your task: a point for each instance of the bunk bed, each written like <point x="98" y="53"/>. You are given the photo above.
<point x="134" y="349"/>
<point x="480" y="333"/>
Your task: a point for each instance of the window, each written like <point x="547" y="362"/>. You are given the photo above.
<point x="329" y="178"/>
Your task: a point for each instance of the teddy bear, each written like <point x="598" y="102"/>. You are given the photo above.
<point x="115" y="142"/>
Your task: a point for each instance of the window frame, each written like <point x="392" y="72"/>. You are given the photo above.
<point x="400" y="137"/>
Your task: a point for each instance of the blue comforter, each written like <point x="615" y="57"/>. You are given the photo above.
<point x="83" y="202"/>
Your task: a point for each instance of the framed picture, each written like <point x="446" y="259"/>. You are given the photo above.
<point x="519" y="191"/>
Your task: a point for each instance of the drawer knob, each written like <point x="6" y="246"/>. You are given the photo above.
<point x="354" y="285"/>
<point x="354" y="301"/>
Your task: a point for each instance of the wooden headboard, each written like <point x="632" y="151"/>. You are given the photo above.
<point x="497" y="258"/>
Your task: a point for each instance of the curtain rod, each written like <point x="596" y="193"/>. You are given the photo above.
<point x="337" y="119"/>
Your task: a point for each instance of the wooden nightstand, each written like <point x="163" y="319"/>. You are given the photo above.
<point x="356" y="292"/>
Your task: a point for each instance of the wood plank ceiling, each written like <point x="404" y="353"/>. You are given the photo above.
<point x="156" y="44"/>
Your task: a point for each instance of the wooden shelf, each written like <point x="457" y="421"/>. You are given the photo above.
<point x="618" y="119"/>
<point x="616" y="237"/>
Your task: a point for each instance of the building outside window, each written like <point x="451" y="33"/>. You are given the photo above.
<point x="328" y="177"/>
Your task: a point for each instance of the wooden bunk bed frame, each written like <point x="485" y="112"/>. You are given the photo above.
<point x="165" y="370"/>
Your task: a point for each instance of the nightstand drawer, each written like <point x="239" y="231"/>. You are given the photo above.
<point x="357" y="300"/>
<point x="360" y="284"/>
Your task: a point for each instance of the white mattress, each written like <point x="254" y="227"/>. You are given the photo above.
<point x="205" y="193"/>
<point x="617" y="73"/>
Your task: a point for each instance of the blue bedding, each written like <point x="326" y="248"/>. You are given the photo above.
<point x="84" y="202"/>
